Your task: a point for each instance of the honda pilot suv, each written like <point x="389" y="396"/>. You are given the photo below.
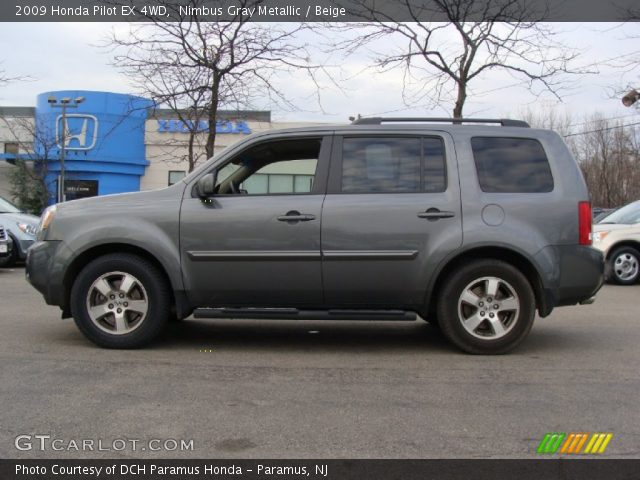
<point x="473" y="225"/>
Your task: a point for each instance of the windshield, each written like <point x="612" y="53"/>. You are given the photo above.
<point x="626" y="215"/>
<point x="8" y="207"/>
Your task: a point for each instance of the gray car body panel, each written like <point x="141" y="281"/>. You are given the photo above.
<point x="151" y="223"/>
<point x="361" y="250"/>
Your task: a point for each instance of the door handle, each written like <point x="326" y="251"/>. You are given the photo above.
<point x="294" y="216"/>
<point x="433" y="214"/>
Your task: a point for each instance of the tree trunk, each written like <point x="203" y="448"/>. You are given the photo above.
<point x="211" y="116"/>
<point x="462" y="96"/>
<point x="190" y="159"/>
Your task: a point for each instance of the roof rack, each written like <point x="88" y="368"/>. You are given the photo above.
<point x="505" y="122"/>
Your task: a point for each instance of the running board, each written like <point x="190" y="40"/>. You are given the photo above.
<point x="295" y="314"/>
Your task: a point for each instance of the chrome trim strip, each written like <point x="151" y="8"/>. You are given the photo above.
<point x="370" y="254"/>
<point x="253" y="254"/>
<point x="303" y="254"/>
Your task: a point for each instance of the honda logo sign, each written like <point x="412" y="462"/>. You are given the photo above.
<point x="80" y="131"/>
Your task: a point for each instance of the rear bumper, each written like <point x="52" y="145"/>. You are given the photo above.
<point x="572" y="274"/>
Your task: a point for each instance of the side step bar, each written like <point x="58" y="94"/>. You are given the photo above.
<point x="295" y="314"/>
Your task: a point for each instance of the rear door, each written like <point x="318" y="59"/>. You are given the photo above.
<point x="391" y="214"/>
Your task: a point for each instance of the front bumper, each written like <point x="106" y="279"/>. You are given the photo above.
<point x="43" y="272"/>
<point x="23" y="245"/>
<point x="9" y="248"/>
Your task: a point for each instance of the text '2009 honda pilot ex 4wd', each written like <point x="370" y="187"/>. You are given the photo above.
<point x="472" y="226"/>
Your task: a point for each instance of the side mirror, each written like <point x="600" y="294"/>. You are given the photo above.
<point x="206" y="185"/>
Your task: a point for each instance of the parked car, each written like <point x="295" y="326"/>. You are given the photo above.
<point x="21" y="227"/>
<point x="472" y="227"/>
<point x="600" y="214"/>
<point x="6" y="245"/>
<point x="618" y="237"/>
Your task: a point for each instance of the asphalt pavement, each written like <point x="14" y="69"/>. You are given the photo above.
<point x="287" y="389"/>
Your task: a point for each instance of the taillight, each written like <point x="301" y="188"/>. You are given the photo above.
<point x="584" y="223"/>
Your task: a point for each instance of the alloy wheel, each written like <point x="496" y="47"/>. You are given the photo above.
<point x="488" y="308"/>
<point x="117" y="303"/>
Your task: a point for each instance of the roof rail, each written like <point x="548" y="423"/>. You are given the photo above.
<point x="505" y="122"/>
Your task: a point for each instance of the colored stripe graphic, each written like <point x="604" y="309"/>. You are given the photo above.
<point x="551" y="442"/>
<point x="573" y="443"/>
<point x="598" y="443"/>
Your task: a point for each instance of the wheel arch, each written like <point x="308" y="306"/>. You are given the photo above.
<point x="178" y="300"/>
<point x="505" y="254"/>
<point x="622" y="243"/>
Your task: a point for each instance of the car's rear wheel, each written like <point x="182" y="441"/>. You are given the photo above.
<point x="486" y="307"/>
<point x="120" y="301"/>
<point x="623" y="266"/>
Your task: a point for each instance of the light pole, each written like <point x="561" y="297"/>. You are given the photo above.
<point x="63" y="104"/>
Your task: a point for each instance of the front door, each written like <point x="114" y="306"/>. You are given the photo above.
<point x="257" y="241"/>
<point x="391" y="214"/>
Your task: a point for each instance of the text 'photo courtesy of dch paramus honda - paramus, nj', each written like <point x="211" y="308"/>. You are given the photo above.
<point x="473" y="225"/>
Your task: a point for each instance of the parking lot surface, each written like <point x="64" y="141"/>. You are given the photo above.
<point x="286" y="389"/>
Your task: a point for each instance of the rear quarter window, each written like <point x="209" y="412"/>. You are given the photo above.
<point x="511" y="165"/>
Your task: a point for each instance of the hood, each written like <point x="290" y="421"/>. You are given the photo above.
<point x="118" y="200"/>
<point x="10" y="219"/>
<point x="610" y="227"/>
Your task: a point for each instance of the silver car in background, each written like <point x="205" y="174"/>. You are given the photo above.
<point x="20" y="227"/>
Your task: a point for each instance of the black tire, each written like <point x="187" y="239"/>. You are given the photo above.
<point x="513" y="287"/>
<point x="628" y="255"/>
<point x="150" y="281"/>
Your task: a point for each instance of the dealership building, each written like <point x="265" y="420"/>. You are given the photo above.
<point x="116" y="143"/>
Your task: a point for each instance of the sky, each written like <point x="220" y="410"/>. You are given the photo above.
<point x="66" y="56"/>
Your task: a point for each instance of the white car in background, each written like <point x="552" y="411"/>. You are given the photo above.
<point x="618" y="236"/>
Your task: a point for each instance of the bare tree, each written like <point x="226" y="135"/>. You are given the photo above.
<point x="195" y="67"/>
<point x="609" y="155"/>
<point x="441" y="60"/>
<point x="36" y="146"/>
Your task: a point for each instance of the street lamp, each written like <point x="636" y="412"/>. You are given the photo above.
<point x="63" y="104"/>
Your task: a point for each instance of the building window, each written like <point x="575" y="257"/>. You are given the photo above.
<point x="12" y="148"/>
<point x="176" y="175"/>
<point x="261" y="183"/>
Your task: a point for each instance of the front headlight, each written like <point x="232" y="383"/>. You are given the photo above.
<point x="599" y="236"/>
<point x="28" y="228"/>
<point x="47" y="217"/>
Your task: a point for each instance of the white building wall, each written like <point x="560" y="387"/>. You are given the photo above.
<point x="167" y="151"/>
<point x="13" y="130"/>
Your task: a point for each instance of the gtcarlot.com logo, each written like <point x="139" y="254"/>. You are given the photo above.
<point x="574" y="443"/>
<point x="43" y="442"/>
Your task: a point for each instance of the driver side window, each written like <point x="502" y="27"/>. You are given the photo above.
<point x="276" y="167"/>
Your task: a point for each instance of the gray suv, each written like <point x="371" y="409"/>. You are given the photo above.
<point x="474" y="227"/>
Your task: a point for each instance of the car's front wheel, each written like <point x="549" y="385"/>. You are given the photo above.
<point x="624" y="266"/>
<point x="120" y="301"/>
<point x="486" y="307"/>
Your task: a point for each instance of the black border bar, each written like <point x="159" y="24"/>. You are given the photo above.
<point x="455" y="469"/>
<point x="318" y="10"/>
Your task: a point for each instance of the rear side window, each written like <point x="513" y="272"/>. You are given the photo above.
<point x="393" y="165"/>
<point x="511" y="165"/>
